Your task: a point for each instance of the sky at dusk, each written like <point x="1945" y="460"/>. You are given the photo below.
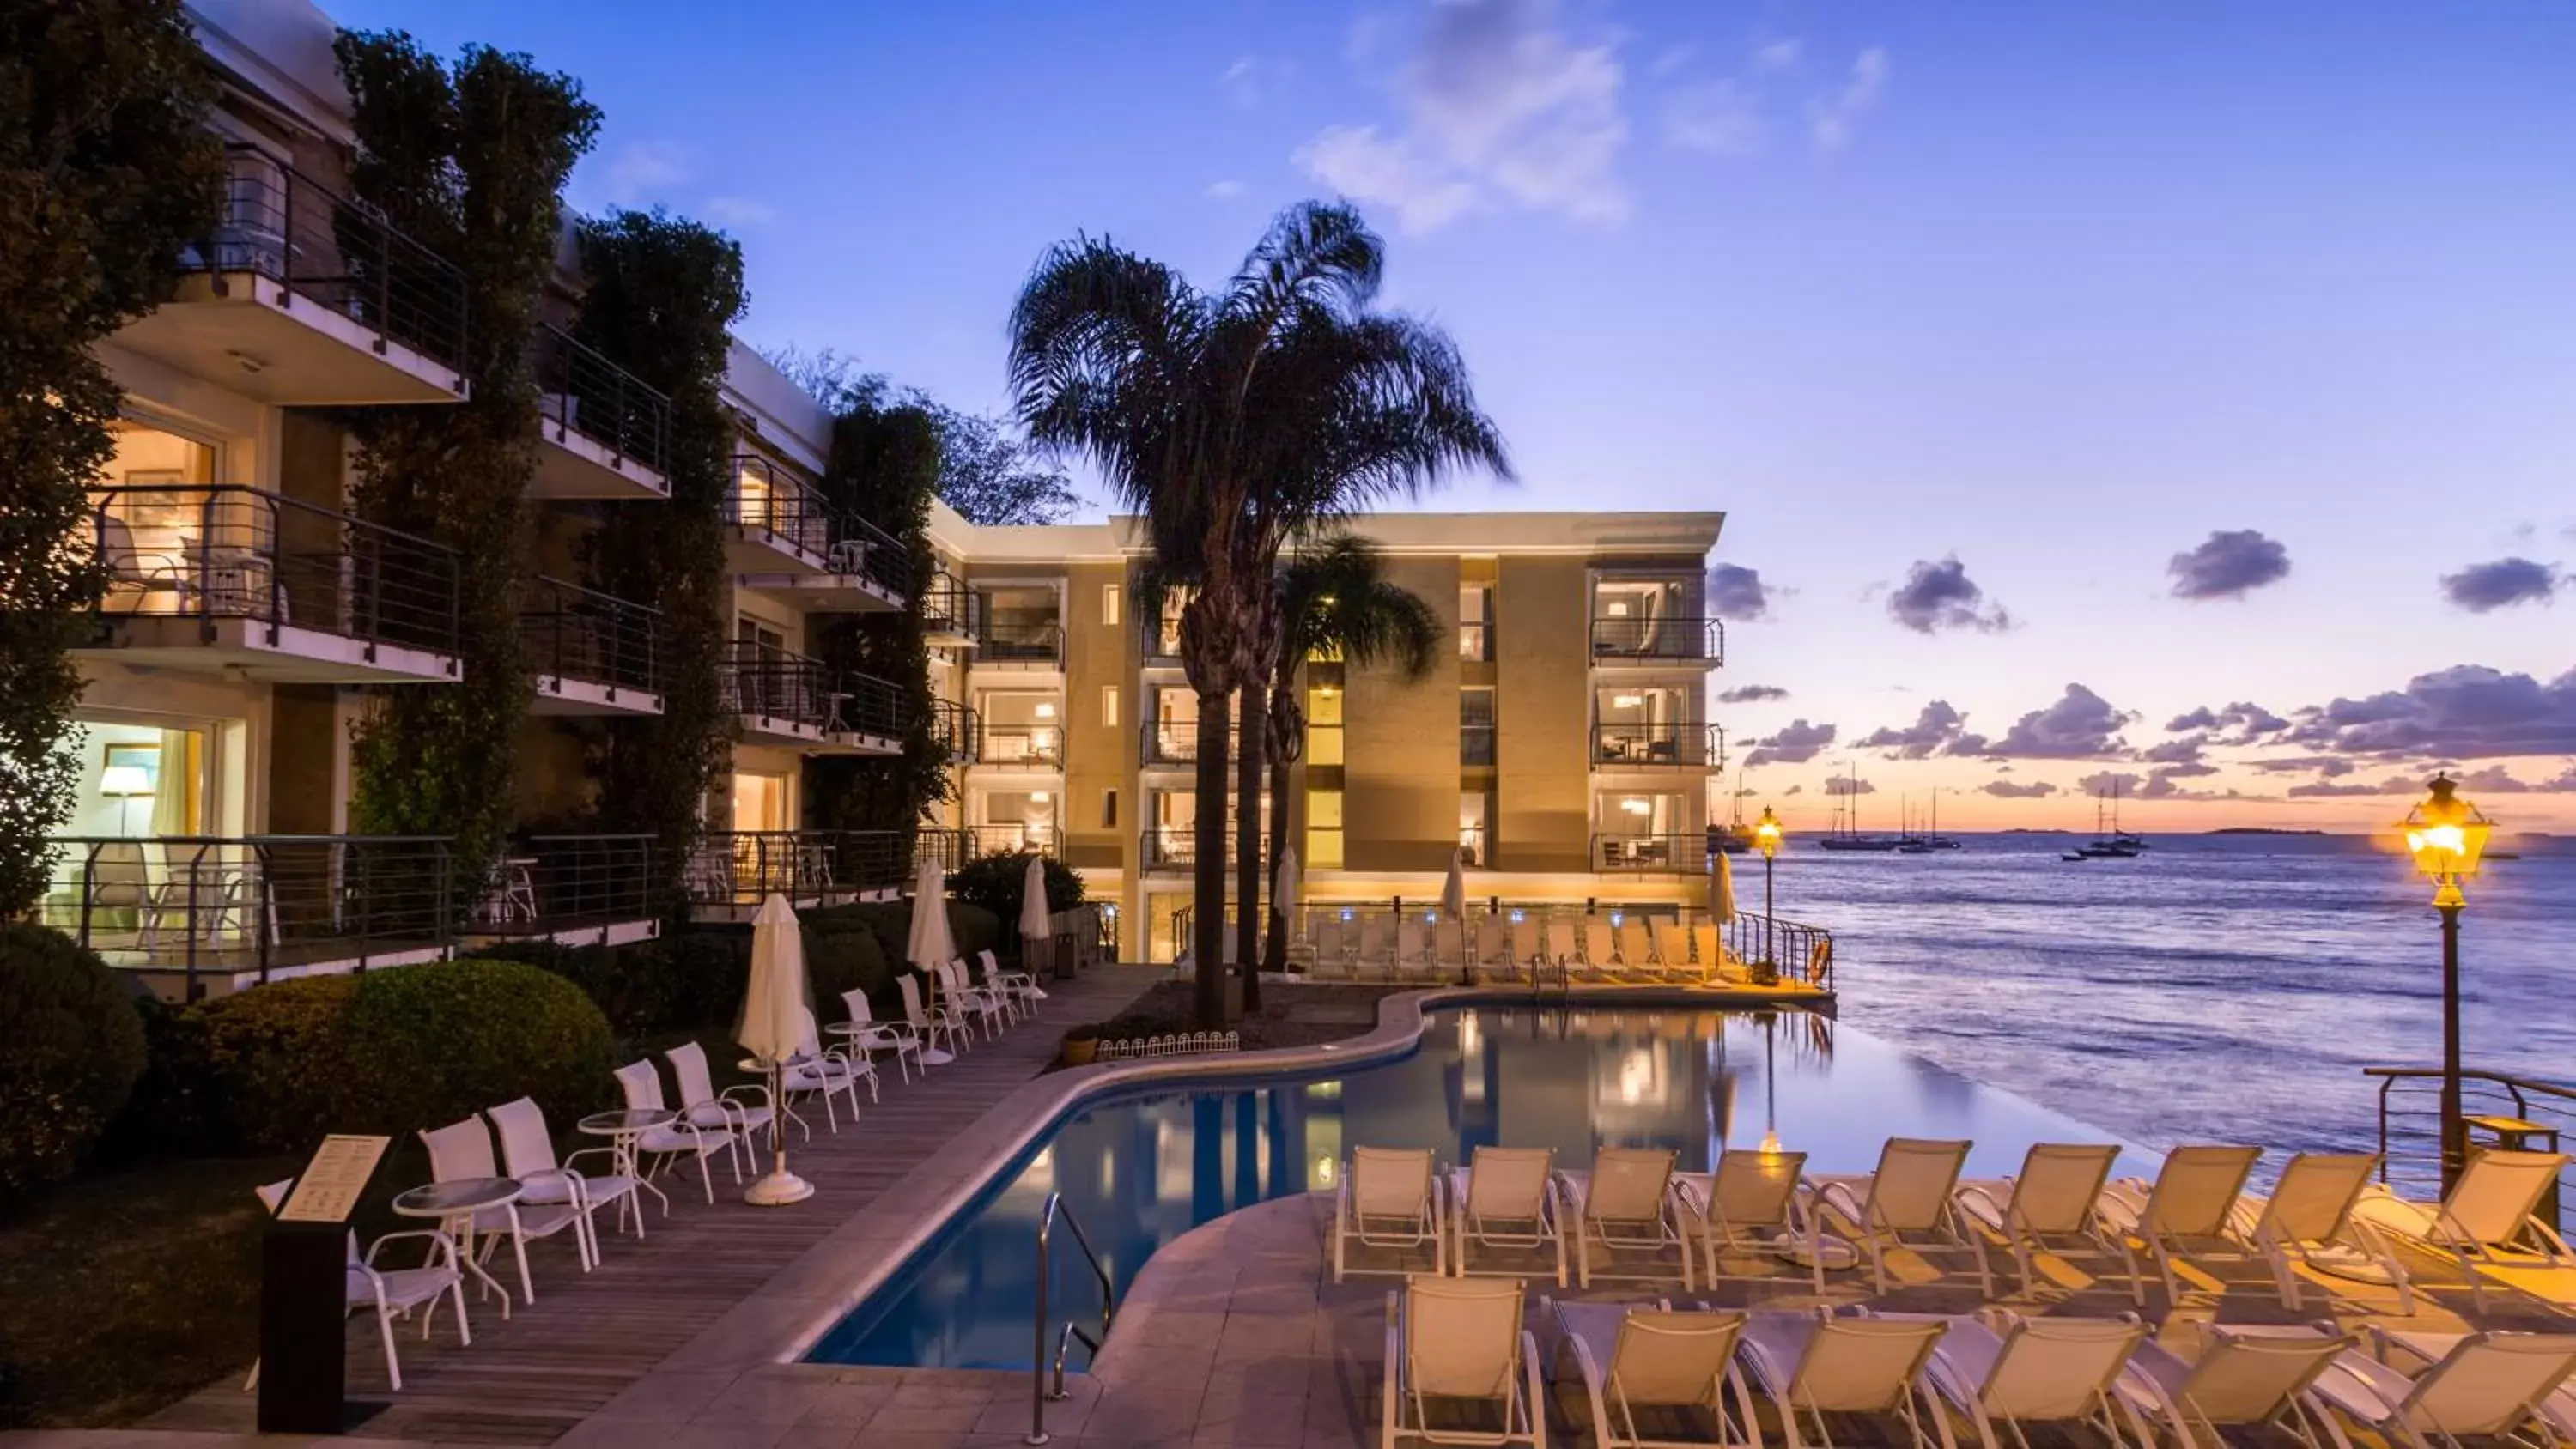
<point x="2183" y="391"/>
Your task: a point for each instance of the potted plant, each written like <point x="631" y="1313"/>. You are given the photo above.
<point x="1081" y="1044"/>
<point x="1762" y="973"/>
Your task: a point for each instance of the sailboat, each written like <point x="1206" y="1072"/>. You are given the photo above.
<point x="1846" y="832"/>
<point x="1737" y="837"/>
<point x="2116" y="844"/>
<point x="1929" y="839"/>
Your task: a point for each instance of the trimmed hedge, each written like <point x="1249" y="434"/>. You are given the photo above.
<point x="649" y="987"/>
<point x="71" y="1049"/>
<point x="996" y="882"/>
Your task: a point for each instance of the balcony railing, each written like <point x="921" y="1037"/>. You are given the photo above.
<point x="779" y="685"/>
<point x="949" y="607"/>
<point x="2410" y="1127"/>
<point x="221" y="551"/>
<point x="575" y="633"/>
<point x="546" y="885"/>
<point x="1475" y="744"/>
<point x="864" y="704"/>
<point x="582" y="391"/>
<point x="862" y="550"/>
<point x="342" y="255"/>
<point x="764" y="499"/>
<point x="1664" y="639"/>
<point x="958" y="728"/>
<point x="1018" y="641"/>
<point x="1667" y="854"/>
<point x="744" y="867"/>
<point x="1036" y="745"/>
<point x="1626" y="745"/>
<point x="1177" y="848"/>
<point x="1798" y="951"/>
<point x="233" y="905"/>
<point x="1176" y="742"/>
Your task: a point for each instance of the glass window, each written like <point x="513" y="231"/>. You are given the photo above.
<point x="1324" y="829"/>
<point x="1323" y="725"/>
<point x="1109" y="603"/>
<point x="1472" y="840"/>
<point x="1475" y="621"/>
<point x="1109" y="704"/>
<point x="1109" y="809"/>
<point x="1476" y="726"/>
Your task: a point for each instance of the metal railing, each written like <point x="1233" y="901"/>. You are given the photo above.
<point x="579" y="390"/>
<point x="1040" y="1390"/>
<point x="1178" y="849"/>
<point x="575" y="633"/>
<point x="204" y="903"/>
<point x="1796" y="950"/>
<point x="222" y="551"/>
<point x="1176" y="742"/>
<point x="545" y="884"/>
<point x="1659" y="744"/>
<point x="2410" y="1126"/>
<point x="956" y="845"/>
<point x="1041" y="745"/>
<point x="1475" y="744"/>
<point x="765" y="500"/>
<point x="1659" y="639"/>
<point x="1685" y="854"/>
<point x="862" y="550"/>
<point x="282" y="225"/>
<point x="949" y="607"/>
<point x="743" y="867"/>
<point x="1495" y="932"/>
<point x="777" y="684"/>
<point x="1015" y="641"/>
<point x="958" y="728"/>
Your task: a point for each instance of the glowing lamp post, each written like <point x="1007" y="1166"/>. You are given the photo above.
<point x="1766" y="838"/>
<point x="2446" y="835"/>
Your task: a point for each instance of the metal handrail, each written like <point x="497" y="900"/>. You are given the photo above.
<point x="1039" y="1390"/>
<point x="1691" y="745"/>
<point x="1658" y="639"/>
<point x="577" y="633"/>
<point x="580" y="391"/>
<point x="2409" y="1141"/>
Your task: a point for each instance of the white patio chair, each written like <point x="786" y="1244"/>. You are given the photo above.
<point x="828" y="1072"/>
<point x="2026" y="1373"/>
<point x="867" y="1034"/>
<point x="1019" y="988"/>
<point x="2308" y="1218"/>
<point x="392" y="1292"/>
<point x="1600" y="950"/>
<point x="642" y="1088"/>
<point x="1906" y="1203"/>
<point x="1749" y="1208"/>
<point x="1625" y="1205"/>
<point x="2450" y="1386"/>
<point x="528" y="1153"/>
<point x="2485" y="1222"/>
<point x="462" y="1150"/>
<point x="2052" y="1206"/>
<point x="932" y="1026"/>
<point x="2184" y="1216"/>
<point x="973" y="1003"/>
<point x="1506" y="1201"/>
<point x="1389" y="1197"/>
<point x="743" y="1111"/>
<point x="1675" y="1372"/>
<point x="1817" y="1364"/>
<point x="2240" y="1380"/>
<point x="1377" y="943"/>
<point x="1458" y="1341"/>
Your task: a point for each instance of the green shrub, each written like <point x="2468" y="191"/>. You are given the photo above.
<point x="71" y="1048"/>
<point x="974" y="929"/>
<point x="844" y="955"/>
<point x="703" y="976"/>
<point x="268" y="1069"/>
<point x="996" y="882"/>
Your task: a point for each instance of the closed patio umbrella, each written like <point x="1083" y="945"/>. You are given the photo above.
<point x="930" y="946"/>
<point x="776" y="1025"/>
<point x="1035" y="925"/>
<point x="1453" y="892"/>
<point x="1721" y="892"/>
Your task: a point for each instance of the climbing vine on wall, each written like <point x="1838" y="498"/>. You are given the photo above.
<point x="470" y="159"/>
<point x="661" y="292"/>
<point x="106" y="174"/>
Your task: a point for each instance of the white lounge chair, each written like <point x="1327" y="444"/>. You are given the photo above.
<point x="1412" y="943"/>
<point x="866" y="1034"/>
<point x="2485" y="1222"/>
<point x="463" y="1150"/>
<point x="745" y="1111"/>
<point x="1710" y="956"/>
<point x="2308" y="1218"/>
<point x="1749" y="1208"/>
<point x="2000" y="1367"/>
<point x="1494" y="948"/>
<point x="1328" y="964"/>
<point x="1906" y="1203"/>
<point x="1389" y="1198"/>
<point x="1559" y="946"/>
<point x="1377" y="943"/>
<point x="1506" y="1201"/>
<point x="1448" y="945"/>
<point x="930" y="1025"/>
<point x="1817" y="1364"/>
<point x="1672" y="950"/>
<point x="1600" y="954"/>
<point x="2241" y="1379"/>
<point x="1636" y="948"/>
<point x="1653" y="1375"/>
<point x="2451" y="1386"/>
<point x="392" y="1292"/>
<point x="1457" y="1341"/>
<point x="2051" y="1206"/>
<point x="2184" y="1216"/>
<point x="1021" y="986"/>
<point x="642" y="1087"/>
<point x="1626" y="1205"/>
<point x="528" y="1153"/>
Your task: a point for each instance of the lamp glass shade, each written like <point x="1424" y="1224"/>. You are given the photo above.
<point x="124" y="780"/>
<point x="2445" y="833"/>
<point x="1767" y="832"/>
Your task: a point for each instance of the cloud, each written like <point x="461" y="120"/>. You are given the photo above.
<point x="1778" y="55"/>
<point x="1936" y="729"/>
<point x="1226" y="190"/>
<point x="1501" y="108"/>
<point x="2228" y="566"/>
<point x="2250" y="723"/>
<point x="1794" y="744"/>
<point x="1722" y="117"/>
<point x="2328" y="766"/>
<point x="641" y="171"/>
<point x="2497" y="780"/>
<point x="2466" y="712"/>
<point x="2026" y="790"/>
<point x="1738" y="593"/>
<point x="1794" y="790"/>
<point x="1752" y="694"/>
<point x="1846" y="785"/>
<point x="2325" y="790"/>
<point x="1250" y="79"/>
<point x="2502" y="583"/>
<point x="1938" y="596"/>
<point x="1835" y="115"/>
<point x="2081" y="725"/>
<point x="738" y="211"/>
<point x="2184" y="751"/>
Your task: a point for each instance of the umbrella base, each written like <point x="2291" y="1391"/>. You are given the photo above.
<point x="778" y="1189"/>
<point x="934" y="1057"/>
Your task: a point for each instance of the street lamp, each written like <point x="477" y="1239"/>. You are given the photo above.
<point x="1766" y="838"/>
<point x="2446" y="835"/>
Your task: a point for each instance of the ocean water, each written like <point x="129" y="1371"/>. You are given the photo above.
<point x="2216" y="988"/>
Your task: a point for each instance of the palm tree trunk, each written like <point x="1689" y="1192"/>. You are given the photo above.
<point x="1207" y="885"/>
<point x="1276" y="957"/>
<point x="1247" y="840"/>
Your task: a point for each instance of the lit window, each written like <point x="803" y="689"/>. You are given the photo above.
<point x="1109" y="704"/>
<point x="1109" y="602"/>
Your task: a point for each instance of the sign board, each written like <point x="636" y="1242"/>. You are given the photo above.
<point x="332" y="1182"/>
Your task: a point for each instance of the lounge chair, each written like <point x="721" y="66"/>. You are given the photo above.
<point x="1818" y="1364"/>
<point x="866" y="1034"/>
<point x="2308" y="1218"/>
<point x="2241" y="1379"/>
<point x="1022" y="985"/>
<point x="1460" y="1340"/>
<point x="1328" y="961"/>
<point x="1906" y="1203"/>
<point x="2486" y="1221"/>
<point x="1748" y="1208"/>
<point x="1412" y="941"/>
<point x="2184" y="1216"/>
<point x="642" y="1087"/>
<point x="2000" y="1367"/>
<point x="1448" y="945"/>
<point x="1636" y="947"/>
<point x="1494" y="949"/>
<point x="1710" y="955"/>
<point x="827" y="1072"/>
<point x="1600" y="948"/>
<point x="2052" y="1206"/>
<point x="389" y="1292"/>
<point x="2450" y="1386"/>
<point x="1377" y="943"/>
<point x="462" y="1150"/>
<point x="1507" y="1200"/>
<point x="528" y="1153"/>
<point x="1625" y="1204"/>
<point x="932" y="1025"/>
<point x="1675" y="1371"/>
<point x="1558" y="944"/>
<point x="1389" y="1198"/>
<point x="1672" y="950"/>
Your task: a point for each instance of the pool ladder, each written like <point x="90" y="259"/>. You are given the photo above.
<point x="1041" y="1389"/>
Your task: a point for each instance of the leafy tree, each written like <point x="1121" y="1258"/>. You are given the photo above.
<point x="992" y="478"/>
<point x="106" y="173"/>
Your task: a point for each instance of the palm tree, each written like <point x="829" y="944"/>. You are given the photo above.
<point x="1334" y="599"/>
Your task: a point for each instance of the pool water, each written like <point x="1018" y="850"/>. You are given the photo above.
<point x="1139" y="1170"/>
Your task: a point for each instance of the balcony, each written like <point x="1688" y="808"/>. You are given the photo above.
<point x="603" y="890"/>
<point x="730" y="873"/>
<point x="954" y="846"/>
<point x="302" y="298"/>
<point x="951" y="613"/>
<point x="593" y="654"/>
<point x="1658" y="746"/>
<point x="958" y="730"/>
<point x="785" y="540"/>
<point x="1651" y="854"/>
<point x="1019" y="643"/>
<point x="1176" y="848"/>
<point x="787" y="699"/>
<point x="224" y="579"/>
<point x="1176" y="742"/>
<point x="1666" y="640"/>
<point x="207" y="915"/>
<point x="604" y="431"/>
<point x="1160" y="642"/>
<point x="1027" y="747"/>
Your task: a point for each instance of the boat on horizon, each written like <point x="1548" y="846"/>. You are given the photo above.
<point x="2116" y="844"/>
<point x="1845" y="833"/>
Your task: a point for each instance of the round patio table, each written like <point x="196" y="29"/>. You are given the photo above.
<point x="454" y="1203"/>
<point x="624" y="1129"/>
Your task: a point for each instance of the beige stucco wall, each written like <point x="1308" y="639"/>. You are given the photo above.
<point x="1542" y="710"/>
<point x="1400" y="783"/>
<point x="1097" y="656"/>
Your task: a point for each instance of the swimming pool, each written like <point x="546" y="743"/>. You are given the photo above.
<point x="1142" y="1168"/>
